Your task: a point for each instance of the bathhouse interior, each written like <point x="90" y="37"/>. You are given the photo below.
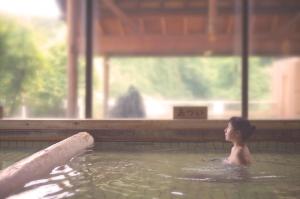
<point x="130" y="98"/>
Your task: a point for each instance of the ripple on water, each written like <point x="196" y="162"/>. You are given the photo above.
<point x="135" y="175"/>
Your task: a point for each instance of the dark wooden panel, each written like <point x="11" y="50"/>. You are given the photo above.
<point x="143" y="130"/>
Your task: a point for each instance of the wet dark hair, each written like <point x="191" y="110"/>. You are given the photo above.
<point x="242" y="125"/>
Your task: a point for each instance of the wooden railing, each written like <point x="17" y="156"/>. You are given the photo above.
<point x="143" y="130"/>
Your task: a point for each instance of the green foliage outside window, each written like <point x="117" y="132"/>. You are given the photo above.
<point x="33" y="73"/>
<point x="212" y="78"/>
<point x="29" y="74"/>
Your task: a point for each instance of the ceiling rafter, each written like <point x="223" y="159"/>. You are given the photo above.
<point x="230" y="25"/>
<point x="122" y="29"/>
<point x="185" y="26"/>
<point x="212" y="18"/>
<point x="120" y="14"/>
<point x="290" y="25"/>
<point x="274" y="24"/>
<point x="100" y="28"/>
<point x="141" y="25"/>
<point x="163" y="26"/>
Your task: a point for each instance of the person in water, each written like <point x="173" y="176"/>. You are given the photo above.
<point x="238" y="131"/>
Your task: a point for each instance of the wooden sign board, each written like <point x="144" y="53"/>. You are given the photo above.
<point x="190" y="112"/>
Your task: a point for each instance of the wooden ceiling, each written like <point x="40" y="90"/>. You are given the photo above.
<point x="191" y="27"/>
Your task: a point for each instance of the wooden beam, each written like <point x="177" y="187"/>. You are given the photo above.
<point x="245" y="56"/>
<point x="230" y="25"/>
<point x="144" y="130"/>
<point x="157" y="44"/>
<point x="89" y="59"/>
<point x="100" y="28"/>
<point x="212" y="17"/>
<point x="32" y="126"/>
<point x="122" y="30"/>
<point x="163" y="26"/>
<point x="280" y="10"/>
<point x="106" y="78"/>
<point x="15" y="127"/>
<point x="189" y="44"/>
<point x="185" y="26"/>
<point x="162" y="3"/>
<point x="98" y="17"/>
<point x="285" y="29"/>
<point x="186" y="3"/>
<point x="274" y="26"/>
<point x="120" y="14"/>
<point x="141" y="25"/>
<point x="72" y="19"/>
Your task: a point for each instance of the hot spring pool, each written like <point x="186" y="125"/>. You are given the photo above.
<point x="168" y="170"/>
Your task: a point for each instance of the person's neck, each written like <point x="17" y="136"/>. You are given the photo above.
<point x="238" y="144"/>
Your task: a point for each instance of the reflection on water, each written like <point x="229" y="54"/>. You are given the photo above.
<point x="217" y="172"/>
<point x="172" y="174"/>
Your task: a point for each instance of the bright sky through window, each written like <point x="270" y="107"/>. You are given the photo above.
<point x="40" y="8"/>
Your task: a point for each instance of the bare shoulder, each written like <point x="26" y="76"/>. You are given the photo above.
<point x="243" y="155"/>
<point x="239" y="155"/>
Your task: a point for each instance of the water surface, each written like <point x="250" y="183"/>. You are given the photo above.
<point x="168" y="171"/>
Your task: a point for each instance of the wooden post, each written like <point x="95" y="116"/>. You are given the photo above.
<point x="212" y="15"/>
<point x="245" y="55"/>
<point x="105" y="85"/>
<point x="72" y="20"/>
<point x="89" y="59"/>
<point x="14" y="177"/>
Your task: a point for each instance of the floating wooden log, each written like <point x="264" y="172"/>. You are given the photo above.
<point x="13" y="178"/>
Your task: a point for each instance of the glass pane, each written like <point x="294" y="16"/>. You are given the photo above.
<point x="33" y="59"/>
<point x="275" y="59"/>
<point x="154" y="55"/>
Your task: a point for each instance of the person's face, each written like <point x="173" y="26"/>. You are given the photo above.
<point x="230" y="134"/>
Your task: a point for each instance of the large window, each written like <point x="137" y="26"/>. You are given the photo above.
<point x="148" y="56"/>
<point x="33" y="59"/>
<point x="42" y="59"/>
<point x="167" y="53"/>
<point x="149" y="87"/>
<point x="274" y="61"/>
